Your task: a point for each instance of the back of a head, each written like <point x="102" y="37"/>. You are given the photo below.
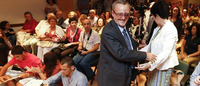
<point x="160" y="8"/>
<point x="2" y="40"/>
<point x="50" y="59"/>
<point x="17" y="50"/>
<point x="67" y="60"/>
<point x="4" y="50"/>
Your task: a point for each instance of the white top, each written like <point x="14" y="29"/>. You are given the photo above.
<point x="66" y="23"/>
<point x="163" y="46"/>
<point x="89" y="44"/>
<point x="93" y="21"/>
<point x="42" y="27"/>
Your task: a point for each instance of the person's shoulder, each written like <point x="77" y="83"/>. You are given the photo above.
<point x="58" y="27"/>
<point x="80" y="75"/>
<point x="32" y="57"/>
<point x="110" y="26"/>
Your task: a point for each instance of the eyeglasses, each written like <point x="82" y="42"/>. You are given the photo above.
<point x="120" y="15"/>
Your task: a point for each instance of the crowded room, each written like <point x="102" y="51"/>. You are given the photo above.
<point x="100" y="43"/>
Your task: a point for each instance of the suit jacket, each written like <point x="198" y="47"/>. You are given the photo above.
<point x="114" y="68"/>
<point x="60" y="22"/>
<point x="163" y="46"/>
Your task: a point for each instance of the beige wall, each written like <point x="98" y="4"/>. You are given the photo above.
<point x="13" y="10"/>
<point x="194" y="1"/>
<point x="66" y="6"/>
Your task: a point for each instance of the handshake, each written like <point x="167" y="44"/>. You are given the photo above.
<point x="151" y="58"/>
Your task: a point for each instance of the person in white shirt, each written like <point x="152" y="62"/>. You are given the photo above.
<point x="93" y="19"/>
<point x="89" y="42"/>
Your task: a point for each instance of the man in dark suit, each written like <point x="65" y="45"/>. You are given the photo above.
<point x="60" y="19"/>
<point x="118" y="50"/>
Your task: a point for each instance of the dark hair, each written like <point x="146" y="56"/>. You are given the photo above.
<point x="3" y="24"/>
<point x="198" y="29"/>
<point x="4" y="35"/>
<point x="27" y="12"/>
<point x="2" y="40"/>
<point x="161" y="8"/>
<point x="4" y="50"/>
<point x="102" y="19"/>
<point x="57" y="52"/>
<point x="53" y="1"/>
<point x="17" y="50"/>
<point x="67" y="60"/>
<point x="73" y="19"/>
<point x="50" y="62"/>
<point x="179" y="13"/>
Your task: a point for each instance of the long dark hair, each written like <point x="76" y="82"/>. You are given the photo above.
<point x="4" y="50"/>
<point x="179" y="13"/>
<point x="198" y="29"/>
<point x="50" y="62"/>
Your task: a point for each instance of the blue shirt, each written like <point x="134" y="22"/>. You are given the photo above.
<point x="77" y="79"/>
<point x="194" y="75"/>
<point x="121" y="29"/>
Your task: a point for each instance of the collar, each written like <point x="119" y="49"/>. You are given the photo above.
<point x="121" y="29"/>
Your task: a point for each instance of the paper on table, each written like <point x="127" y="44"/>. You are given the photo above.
<point x="35" y="82"/>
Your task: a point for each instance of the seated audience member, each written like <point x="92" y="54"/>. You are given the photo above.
<point x="69" y="75"/>
<point x="108" y="17"/>
<point x="80" y="20"/>
<point x="190" y="49"/>
<point x="78" y="13"/>
<point x="39" y="29"/>
<point x="50" y="38"/>
<point x="4" y="50"/>
<point x="99" y="6"/>
<point x="28" y="28"/>
<point x="71" y="37"/>
<point x="89" y="42"/>
<point x="50" y="68"/>
<point x="3" y="35"/>
<point x="195" y="18"/>
<point x="51" y="7"/>
<point x="83" y="6"/>
<point x="92" y="17"/>
<point x="10" y="33"/>
<point x="100" y="25"/>
<point x="195" y="77"/>
<point x="24" y="60"/>
<point x="71" y="14"/>
<point x="177" y="21"/>
<point x="60" y="19"/>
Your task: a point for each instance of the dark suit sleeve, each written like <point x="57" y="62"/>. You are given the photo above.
<point x="113" y="44"/>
